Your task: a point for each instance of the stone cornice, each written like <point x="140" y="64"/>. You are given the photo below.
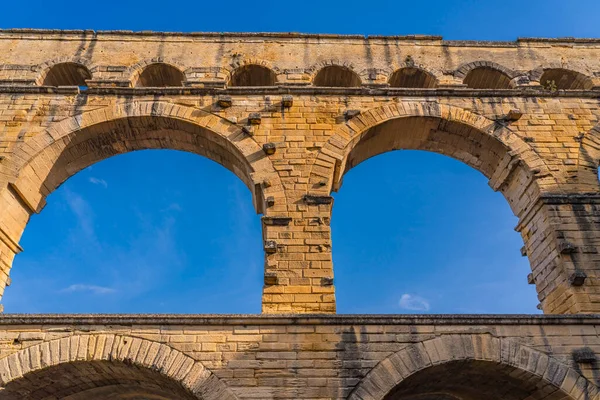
<point x="100" y="34"/>
<point x="301" y="90"/>
<point x="307" y="319"/>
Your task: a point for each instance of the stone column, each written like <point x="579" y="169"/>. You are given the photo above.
<point x="14" y="214"/>
<point x="8" y="250"/>
<point x="298" y="263"/>
<point x="562" y="236"/>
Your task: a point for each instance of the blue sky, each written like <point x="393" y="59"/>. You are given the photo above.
<point x="413" y="232"/>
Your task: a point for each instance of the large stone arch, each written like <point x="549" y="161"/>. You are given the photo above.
<point x="122" y="351"/>
<point x="28" y="160"/>
<point x="536" y="370"/>
<point x="518" y="163"/>
<point x="41" y="164"/>
<point x="512" y="166"/>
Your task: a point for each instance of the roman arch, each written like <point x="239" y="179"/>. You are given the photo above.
<point x="483" y="366"/>
<point x="290" y="115"/>
<point x="100" y="366"/>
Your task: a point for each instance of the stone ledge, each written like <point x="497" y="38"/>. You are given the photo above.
<point x="293" y="35"/>
<point x="299" y="90"/>
<point x="287" y="319"/>
<point x="570" y="198"/>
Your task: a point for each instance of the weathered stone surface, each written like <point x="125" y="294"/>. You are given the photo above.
<point x="527" y="123"/>
<point x="290" y="114"/>
<point x="300" y="357"/>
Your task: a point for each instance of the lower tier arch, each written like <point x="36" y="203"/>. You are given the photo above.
<point x="106" y="366"/>
<point x="472" y="367"/>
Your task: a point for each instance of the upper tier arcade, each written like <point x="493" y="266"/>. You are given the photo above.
<point x="228" y="60"/>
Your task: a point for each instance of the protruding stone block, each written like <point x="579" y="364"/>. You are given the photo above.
<point x="577" y="278"/>
<point x="349" y="114"/>
<point x="269" y="148"/>
<point x="287" y="101"/>
<point x="270" y="247"/>
<point x="317" y="200"/>
<point x="254" y="119"/>
<point x="513" y="115"/>
<point x="565" y="247"/>
<point x="530" y="279"/>
<point x="326" y="281"/>
<point x="270" y="201"/>
<point x="277" y="221"/>
<point x="224" y="101"/>
<point x="271" y="279"/>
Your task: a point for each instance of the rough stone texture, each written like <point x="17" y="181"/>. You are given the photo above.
<point x="523" y="113"/>
<point x="301" y="357"/>
<point x="290" y="114"/>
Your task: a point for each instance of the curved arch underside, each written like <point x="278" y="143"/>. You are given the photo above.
<point x="160" y="75"/>
<point x="67" y="74"/>
<point x="474" y="380"/>
<point x="410" y="77"/>
<point x="565" y="79"/>
<point x="487" y="78"/>
<point x="73" y="153"/>
<point x="438" y="135"/>
<point x="253" y="75"/>
<point x="95" y="380"/>
<point x="336" y="76"/>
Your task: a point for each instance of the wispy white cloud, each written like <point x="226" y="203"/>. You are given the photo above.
<point x="80" y="287"/>
<point x="98" y="181"/>
<point x="83" y="212"/>
<point x="413" y="303"/>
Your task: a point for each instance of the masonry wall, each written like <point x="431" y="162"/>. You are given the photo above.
<point x="308" y="358"/>
<point x="530" y="131"/>
<point x="550" y="129"/>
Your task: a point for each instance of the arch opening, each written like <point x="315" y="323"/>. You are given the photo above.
<point x="336" y="76"/>
<point x="253" y="75"/>
<point x="487" y="78"/>
<point x="96" y="380"/>
<point x="160" y="75"/>
<point x="147" y="231"/>
<point x="474" y="380"/>
<point x="457" y="140"/>
<point x="67" y="74"/>
<point x="444" y="234"/>
<point x="564" y="79"/>
<point x="85" y="147"/>
<point x="414" y="78"/>
<point x="79" y="149"/>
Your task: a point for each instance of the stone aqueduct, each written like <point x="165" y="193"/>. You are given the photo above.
<point x="290" y="114"/>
